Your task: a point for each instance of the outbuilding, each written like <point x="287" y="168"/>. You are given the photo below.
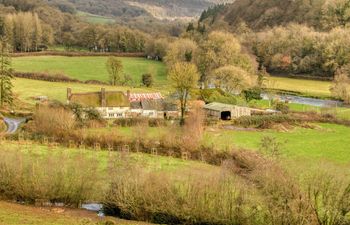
<point x="226" y="111"/>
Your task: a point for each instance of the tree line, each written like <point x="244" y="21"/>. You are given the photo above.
<point x="34" y="25"/>
<point x="298" y="49"/>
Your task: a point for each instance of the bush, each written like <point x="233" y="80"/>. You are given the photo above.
<point x="264" y="121"/>
<point x="51" y="177"/>
<point x="252" y="94"/>
<point x="217" y="95"/>
<point x="58" y="77"/>
<point x="282" y="107"/>
<point x="163" y="199"/>
<point x="147" y="79"/>
<point x="53" y="121"/>
<point x="132" y="122"/>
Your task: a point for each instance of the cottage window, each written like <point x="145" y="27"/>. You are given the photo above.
<point x="151" y="113"/>
<point x="111" y="114"/>
<point x="119" y="114"/>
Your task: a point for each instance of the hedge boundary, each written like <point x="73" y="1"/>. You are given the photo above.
<point x="78" y="54"/>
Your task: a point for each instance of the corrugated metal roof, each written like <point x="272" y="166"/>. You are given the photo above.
<point x="216" y="106"/>
<point x="138" y="97"/>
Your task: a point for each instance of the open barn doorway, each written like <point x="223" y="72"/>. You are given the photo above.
<point x="226" y="115"/>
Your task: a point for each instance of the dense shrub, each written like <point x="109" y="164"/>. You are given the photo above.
<point x="282" y="107"/>
<point x="252" y="94"/>
<point x="131" y="122"/>
<point x="217" y="95"/>
<point x="52" y="121"/>
<point x="147" y="79"/>
<point x="51" y="177"/>
<point x="76" y="54"/>
<point x="163" y="199"/>
<point x="264" y="121"/>
<point x="46" y="77"/>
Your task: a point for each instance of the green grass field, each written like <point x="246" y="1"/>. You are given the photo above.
<point x="157" y="163"/>
<point x="93" y="68"/>
<point x="97" y="19"/>
<point x="90" y="68"/>
<point x="327" y="142"/>
<point x="307" y="87"/>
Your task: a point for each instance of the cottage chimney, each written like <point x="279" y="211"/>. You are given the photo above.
<point x="128" y="94"/>
<point x="69" y="94"/>
<point x="103" y="97"/>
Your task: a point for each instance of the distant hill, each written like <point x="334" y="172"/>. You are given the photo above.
<point x="258" y="14"/>
<point x="160" y="9"/>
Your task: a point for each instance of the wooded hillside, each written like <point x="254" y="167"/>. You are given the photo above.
<point x="259" y="14"/>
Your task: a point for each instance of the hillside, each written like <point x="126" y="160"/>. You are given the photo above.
<point x="258" y="14"/>
<point x="160" y="9"/>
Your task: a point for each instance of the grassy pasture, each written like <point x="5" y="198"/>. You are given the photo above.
<point x="327" y="142"/>
<point x="90" y="68"/>
<point x="26" y="89"/>
<point x="93" y="68"/>
<point x="92" y="18"/>
<point x="156" y="163"/>
<point x="307" y="87"/>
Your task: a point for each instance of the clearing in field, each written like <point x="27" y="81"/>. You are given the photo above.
<point x="307" y="87"/>
<point x="97" y="19"/>
<point x="90" y="68"/>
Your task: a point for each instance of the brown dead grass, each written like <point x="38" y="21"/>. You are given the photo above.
<point x="11" y="213"/>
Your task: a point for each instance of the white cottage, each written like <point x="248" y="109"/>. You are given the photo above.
<point x="110" y="104"/>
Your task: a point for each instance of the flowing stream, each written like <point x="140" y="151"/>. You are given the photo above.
<point x="304" y="100"/>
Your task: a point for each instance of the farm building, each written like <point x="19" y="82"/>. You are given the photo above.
<point x="116" y="104"/>
<point x="154" y="109"/>
<point x="226" y="111"/>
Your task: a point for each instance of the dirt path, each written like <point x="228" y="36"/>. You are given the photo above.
<point x="16" y="214"/>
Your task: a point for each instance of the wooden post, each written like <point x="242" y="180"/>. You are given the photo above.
<point x="82" y="146"/>
<point x="184" y="155"/>
<point x="97" y="146"/>
<point x="137" y="146"/>
<point x="171" y="153"/>
<point x="45" y="141"/>
<point x="126" y="149"/>
<point x="154" y="151"/>
<point x="71" y="144"/>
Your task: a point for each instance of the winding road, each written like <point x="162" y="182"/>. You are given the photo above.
<point x="13" y="124"/>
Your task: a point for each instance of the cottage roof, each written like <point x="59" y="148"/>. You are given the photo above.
<point x="152" y="105"/>
<point x="138" y="97"/>
<point x="159" y="105"/>
<point x="135" y="105"/>
<point x="94" y="99"/>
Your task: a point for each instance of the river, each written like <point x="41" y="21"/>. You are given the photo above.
<point x="304" y="100"/>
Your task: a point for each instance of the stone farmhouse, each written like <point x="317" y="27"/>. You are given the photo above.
<point x="117" y="104"/>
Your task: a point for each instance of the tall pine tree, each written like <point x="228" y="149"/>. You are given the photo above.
<point x="6" y="75"/>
